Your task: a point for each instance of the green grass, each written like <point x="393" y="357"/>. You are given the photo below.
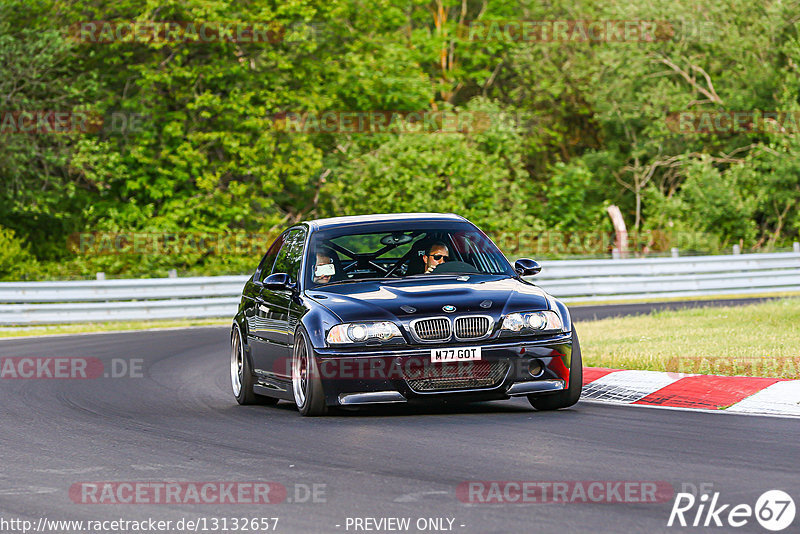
<point x="113" y="326"/>
<point x="754" y="340"/>
<point x="780" y="294"/>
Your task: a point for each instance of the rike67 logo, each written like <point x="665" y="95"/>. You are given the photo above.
<point x="774" y="510"/>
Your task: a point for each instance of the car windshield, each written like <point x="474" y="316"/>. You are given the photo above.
<point x="358" y="253"/>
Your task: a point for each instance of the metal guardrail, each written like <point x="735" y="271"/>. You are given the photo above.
<point x="29" y="303"/>
<point x="648" y="278"/>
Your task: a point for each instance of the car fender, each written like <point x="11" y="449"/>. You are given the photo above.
<point x="239" y="321"/>
<point x="317" y="320"/>
<point x="563" y="311"/>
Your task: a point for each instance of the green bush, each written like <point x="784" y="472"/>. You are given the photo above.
<point x="16" y="262"/>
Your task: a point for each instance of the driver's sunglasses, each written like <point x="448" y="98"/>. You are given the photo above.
<point x="438" y="257"/>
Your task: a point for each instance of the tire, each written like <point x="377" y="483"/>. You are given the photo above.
<point x="242" y="378"/>
<point x="568" y="397"/>
<point x="306" y="384"/>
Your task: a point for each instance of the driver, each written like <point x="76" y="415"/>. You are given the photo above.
<point x="435" y="255"/>
<point x="323" y="268"/>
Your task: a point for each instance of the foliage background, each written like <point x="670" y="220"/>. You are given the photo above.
<point x="590" y="128"/>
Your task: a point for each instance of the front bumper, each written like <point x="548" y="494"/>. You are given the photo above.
<point x="398" y="374"/>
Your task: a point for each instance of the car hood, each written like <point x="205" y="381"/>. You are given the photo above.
<point x="382" y="300"/>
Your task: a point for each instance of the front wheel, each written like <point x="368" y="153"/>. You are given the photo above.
<point x="568" y="397"/>
<point x="306" y="384"/>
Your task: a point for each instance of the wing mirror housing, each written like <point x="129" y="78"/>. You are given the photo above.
<point x="278" y="281"/>
<point x="527" y="267"/>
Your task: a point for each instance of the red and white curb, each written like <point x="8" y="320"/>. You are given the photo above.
<point x="738" y="394"/>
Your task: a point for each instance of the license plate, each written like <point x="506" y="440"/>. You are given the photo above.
<point x="457" y="354"/>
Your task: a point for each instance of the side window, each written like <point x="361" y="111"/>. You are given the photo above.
<point x="291" y="254"/>
<point x="265" y="267"/>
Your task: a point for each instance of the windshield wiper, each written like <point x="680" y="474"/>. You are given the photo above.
<point x="454" y="274"/>
<point x="353" y="281"/>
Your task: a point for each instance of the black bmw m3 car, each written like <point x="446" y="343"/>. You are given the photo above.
<point x="374" y="309"/>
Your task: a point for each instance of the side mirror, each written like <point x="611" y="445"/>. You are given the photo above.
<point x="278" y="281"/>
<point x="526" y="267"/>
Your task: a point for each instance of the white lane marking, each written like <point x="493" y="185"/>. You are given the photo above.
<point x="70" y="471"/>
<point x="27" y="490"/>
<point x="627" y="386"/>
<point x="779" y="398"/>
<point x="416" y="497"/>
<point x="156" y="467"/>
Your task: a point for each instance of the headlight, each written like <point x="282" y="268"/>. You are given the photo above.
<point x="531" y="322"/>
<point x="361" y="332"/>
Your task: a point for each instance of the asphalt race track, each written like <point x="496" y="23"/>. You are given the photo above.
<point x="178" y="421"/>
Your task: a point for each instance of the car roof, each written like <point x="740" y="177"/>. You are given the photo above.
<point x="333" y="222"/>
